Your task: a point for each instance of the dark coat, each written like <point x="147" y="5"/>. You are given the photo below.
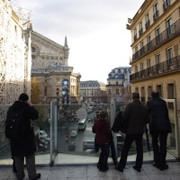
<point x="25" y="145"/>
<point x="103" y="131"/>
<point x="159" y="118"/>
<point x="137" y="116"/>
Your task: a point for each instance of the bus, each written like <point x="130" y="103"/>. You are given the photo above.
<point x="82" y="124"/>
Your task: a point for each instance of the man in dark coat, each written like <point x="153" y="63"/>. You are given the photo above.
<point x="136" y="116"/>
<point x="159" y="129"/>
<point x="103" y="140"/>
<point x="25" y="146"/>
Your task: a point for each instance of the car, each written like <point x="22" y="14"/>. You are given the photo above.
<point x="43" y="135"/>
<point x="88" y="144"/>
<point x="73" y="133"/>
<point x="72" y="145"/>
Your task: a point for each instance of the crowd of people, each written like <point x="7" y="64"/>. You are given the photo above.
<point x="135" y="115"/>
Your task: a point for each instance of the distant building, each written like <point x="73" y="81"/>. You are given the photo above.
<point x="93" y="92"/>
<point x="118" y="87"/>
<point x="50" y="68"/>
<point x="15" y="53"/>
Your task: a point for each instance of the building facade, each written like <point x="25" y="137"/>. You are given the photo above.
<point x="15" y="51"/>
<point x="118" y="87"/>
<point x="155" y="31"/>
<point x="93" y="92"/>
<point x="51" y="70"/>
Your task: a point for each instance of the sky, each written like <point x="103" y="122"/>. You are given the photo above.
<point x="95" y="29"/>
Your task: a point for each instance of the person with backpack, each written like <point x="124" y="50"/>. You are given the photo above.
<point x="21" y="136"/>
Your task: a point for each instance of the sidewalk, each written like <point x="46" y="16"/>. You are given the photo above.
<point x="90" y="172"/>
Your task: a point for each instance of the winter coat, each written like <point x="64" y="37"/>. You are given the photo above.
<point x="159" y="118"/>
<point x="136" y="115"/>
<point x="25" y="145"/>
<point x="103" y="132"/>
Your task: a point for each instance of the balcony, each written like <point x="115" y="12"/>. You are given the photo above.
<point x="168" y="66"/>
<point x="169" y="34"/>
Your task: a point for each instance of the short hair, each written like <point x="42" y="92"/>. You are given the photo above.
<point x="23" y="97"/>
<point x="155" y="94"/>
<point x="102" y="114"/>
<point x="135" y="95"/>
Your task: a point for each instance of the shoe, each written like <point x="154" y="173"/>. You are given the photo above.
<point x="137" y="168"/>
<point x="156" y="165"/>
<point x="120" y="169"/>
<point x="163" y="167"/>
<point x="38" y="176"/>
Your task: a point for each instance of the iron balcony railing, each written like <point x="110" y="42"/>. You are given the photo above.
<point x="168" y="66"/>
<point x="170" y="33"/>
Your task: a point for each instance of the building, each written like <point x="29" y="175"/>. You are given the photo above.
<point x="93" y="92"/>
<point x="15" y="53"/>
<point x="155" y="31"/>
<point x="50" y="68"/>
<point x="118" y="87"/>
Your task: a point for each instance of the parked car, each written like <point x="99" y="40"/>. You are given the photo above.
<point x="72" y="145"/>
<point x="88" y="144"/>
<point x="73" y="133"/>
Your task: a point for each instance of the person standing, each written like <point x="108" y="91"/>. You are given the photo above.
<point x="159" y="129"/>
<point x="136" y="115"/>
<point x="103" y="140"/>
<point x="23" y="145"/>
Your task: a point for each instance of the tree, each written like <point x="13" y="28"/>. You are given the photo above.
<point x="35" y="91"/>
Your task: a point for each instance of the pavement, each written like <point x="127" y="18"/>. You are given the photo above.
<point x="70" y="167"/>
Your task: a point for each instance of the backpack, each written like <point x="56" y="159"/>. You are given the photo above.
<point x="120" y="124"/>
<point x="13" y="124"/>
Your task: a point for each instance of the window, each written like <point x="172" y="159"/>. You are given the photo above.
<point x="33" y="49"/>
<point x="142" y="94"/>
<point x="159" y="89"/>
<point x="157" y="33"/>
<point x="116" y="82"/>
<point x="169" y="56"/>
<point x="156" y="12"/>
<point x="158" y="60"/>
<point x="109" y="91"/>
<point x="166" y="4"/>
<point x="136" y="52"/>
<point x="149" y="92"/>
<point x="140" y="28"/>
<point x="117" y="91"/>
<point x="149" y="42"/>
<point x="45" y="91"/>
<point x="141" y="66"/>
<point x="149" y="66"/>
<point x="169" y="27"/>
<point x="147" y="21"/>
<point x="142" y="48"/>
<point x="33" y="57"/>
<point x="171" y="94"/>
<point x="136" y="69"/>
<point x="135" y="34"/>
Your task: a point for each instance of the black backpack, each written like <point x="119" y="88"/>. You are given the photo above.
<point x="14" y="121"/>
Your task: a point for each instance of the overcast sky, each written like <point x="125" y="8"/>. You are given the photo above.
<point x="95" y="29"/>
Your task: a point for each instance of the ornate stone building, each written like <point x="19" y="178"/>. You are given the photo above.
<point x="93" y="92"/>
<point x="15" y="59"/>
<point x="50" y="68"/>
<point x="118" y="86"/>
